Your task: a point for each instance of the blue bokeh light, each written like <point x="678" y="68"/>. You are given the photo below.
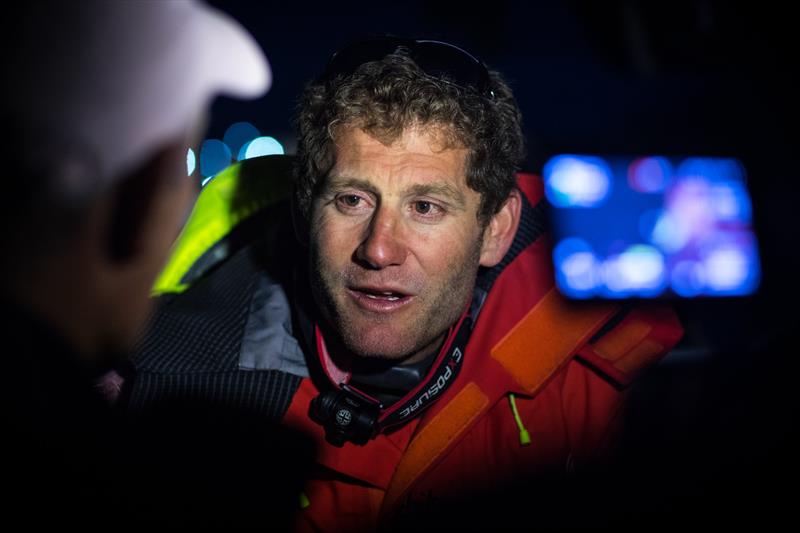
<point x="577" y="267"/>
<point x="215" y="156"/>
<point x="732" y="268"/>
<point x="727" y="268"/>
<point x="577" y="181"/>
<point x="638" y="271"/>
<point x="649" y="174"/>
<point x="688" y="279"/>
<point x="259" y="147"/>
<point x="239" y="134"/>
<point x="191" y="162"/>
<point x="663" y="226"/>
<point x="730" y="201"/>
<point x="671" y="232"/>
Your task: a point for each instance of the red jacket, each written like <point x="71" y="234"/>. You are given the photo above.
<point x="527" y="342"/>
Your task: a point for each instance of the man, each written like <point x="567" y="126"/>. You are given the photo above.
<point x="101" y="102"/>
<point x="413" y="329"/>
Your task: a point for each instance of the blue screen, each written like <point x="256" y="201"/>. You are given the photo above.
<point x="651" y="227"/>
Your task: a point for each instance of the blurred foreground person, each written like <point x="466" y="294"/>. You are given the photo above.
<point x="408" y="318"/>
<point x="100" y="103"/>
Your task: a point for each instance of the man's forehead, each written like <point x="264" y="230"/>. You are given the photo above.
<point x="416" y="160"/>
<point x="433" y="138"/>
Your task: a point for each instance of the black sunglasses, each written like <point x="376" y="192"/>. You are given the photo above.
<point x="435" y="58"/>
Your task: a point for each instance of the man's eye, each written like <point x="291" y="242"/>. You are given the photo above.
<point x="423" y="208"/>
<point x="349" y="200"/>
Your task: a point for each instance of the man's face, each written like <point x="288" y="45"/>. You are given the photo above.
<point x="396" y="244"/>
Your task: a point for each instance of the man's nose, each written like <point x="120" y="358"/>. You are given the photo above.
<point x="383" y="244"/>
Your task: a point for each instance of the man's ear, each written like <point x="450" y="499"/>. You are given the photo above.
<point x="135" y="197"/>
<point x="499" y="233"/>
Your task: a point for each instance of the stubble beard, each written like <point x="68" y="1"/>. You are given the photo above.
<point x="434" y="313"/>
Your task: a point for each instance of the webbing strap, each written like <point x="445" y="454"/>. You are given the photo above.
<point x="435" y="438"/>
<point x="543" y="340"/>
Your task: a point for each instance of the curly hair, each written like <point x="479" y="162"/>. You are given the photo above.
<point x="386" y="97"/>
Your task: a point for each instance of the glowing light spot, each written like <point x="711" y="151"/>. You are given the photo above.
<point x="649" y="174"/>
<point x="577" y="181"/>
<point x="731" y="201"/>
<point x="191" y="162"/>
<point x="670" y="233"/>
<point x="640" y="271"/>
<point x="688" y="279"/>
<point x="569" y="246"/>
<point x="259" y="147"/>
<point x="580" y="271"/>
<point x="577" y="268"/>
<point x="727" y="268"/>
<point x="239" y="134"/>
<point x="215" y="156"/>
<point x="690" y="207"/>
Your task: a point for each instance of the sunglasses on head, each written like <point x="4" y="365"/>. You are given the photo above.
<point x="435" y="58"/>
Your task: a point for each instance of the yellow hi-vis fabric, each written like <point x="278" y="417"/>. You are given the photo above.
<point x="235" y="194"/>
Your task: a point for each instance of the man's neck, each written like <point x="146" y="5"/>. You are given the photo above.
<point x="388" y="381"/>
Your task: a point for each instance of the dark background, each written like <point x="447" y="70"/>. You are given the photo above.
<point x="713" y="428"/>
<point x="613" y="77"/>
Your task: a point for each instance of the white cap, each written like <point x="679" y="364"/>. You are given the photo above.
<point x="110" y="81"/>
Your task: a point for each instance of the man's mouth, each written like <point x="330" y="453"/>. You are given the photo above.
<point x="386" y="295"/>
<point x="379" y="299"/>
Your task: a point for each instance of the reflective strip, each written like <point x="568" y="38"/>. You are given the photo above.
<point x="640" y="356"/>
<point x="212" y="218"/>
<point x="434" y="438"/>
<point x="235" y="194"/>
<point x="543" y="340"/>
<point x="622" y="339"/>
